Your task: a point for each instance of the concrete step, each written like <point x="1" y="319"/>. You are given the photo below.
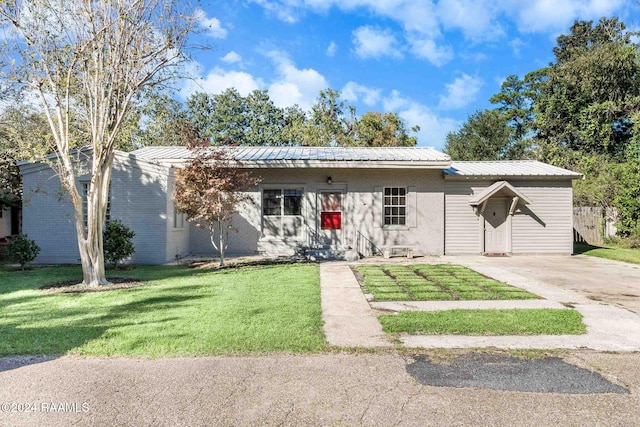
<point x="332" y="254"/>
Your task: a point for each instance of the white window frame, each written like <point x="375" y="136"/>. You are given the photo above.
<point x="282" y="215"/>
<point x="402" y="218"/>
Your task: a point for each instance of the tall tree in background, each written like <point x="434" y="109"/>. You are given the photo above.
<point x="22" y="133"/>
<point x="485" y="135"/>
<point x="209" y="189"/>
<point x="587" y="97"/>
<point x="90" y="60"/>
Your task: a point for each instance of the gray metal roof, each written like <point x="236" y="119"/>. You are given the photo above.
<point x="508" y="168"/>
<point x="280" y="156"/>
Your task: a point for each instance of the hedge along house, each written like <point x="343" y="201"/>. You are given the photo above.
<point x="356" y="199"/>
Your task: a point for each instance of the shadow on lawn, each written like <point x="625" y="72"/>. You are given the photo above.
<point x="580" y="248"/>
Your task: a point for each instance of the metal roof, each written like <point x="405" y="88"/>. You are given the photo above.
<point x="308" y="156"/>
<point x="498" y="187"/>
<point x="508" y="168"/>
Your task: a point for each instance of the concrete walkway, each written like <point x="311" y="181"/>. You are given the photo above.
<point x="351" y="321"/>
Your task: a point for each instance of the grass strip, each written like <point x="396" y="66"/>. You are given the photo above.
<point x="486" y="322"/>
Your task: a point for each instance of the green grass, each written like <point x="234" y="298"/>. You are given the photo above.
<point x="486" y="322"/>
<point x="609" y="252"/>
<point x="425" y="282"/>
<point x="177" y="312"/>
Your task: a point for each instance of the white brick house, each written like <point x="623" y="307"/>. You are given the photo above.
<point x="313" y="197"/>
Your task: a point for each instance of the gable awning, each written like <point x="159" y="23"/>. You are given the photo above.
<point x="502" y="188"/>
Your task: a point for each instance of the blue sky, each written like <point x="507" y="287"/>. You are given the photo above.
<point x="433" y="62"/>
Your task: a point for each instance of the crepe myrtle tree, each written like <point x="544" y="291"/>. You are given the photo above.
<point x="210" y="189"/>
<point x="87" y="61"/>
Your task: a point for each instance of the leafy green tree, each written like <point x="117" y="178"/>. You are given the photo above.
<point x="486" y="135"/>
<point x="586" y="98"/>
<point x="383" y="130"/>
<point x="515" y="100"/>
<point x="23" y="134"/>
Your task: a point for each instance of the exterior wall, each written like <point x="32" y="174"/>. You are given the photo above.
<point x="47" y="218"/>
<point x="139" y="193"/>
<point x="544" y="226"/>
<point x="462" y="225"/>
<point x="362" y="211"/>
<point x="138" y="199"/>
<point x="177" y="232"/>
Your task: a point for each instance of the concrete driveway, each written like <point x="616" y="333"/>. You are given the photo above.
<point x="597" y="279"/>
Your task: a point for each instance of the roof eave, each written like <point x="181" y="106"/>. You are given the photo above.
<point x="511" y="177"/>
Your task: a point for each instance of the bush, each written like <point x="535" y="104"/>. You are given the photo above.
<point x="117" y="242"/>
<point x="22" y="250"/>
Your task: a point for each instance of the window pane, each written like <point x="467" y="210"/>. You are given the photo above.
<point x="271" y="202"/>
<point x="292" y="202"/>
<point x="395" y="202"/>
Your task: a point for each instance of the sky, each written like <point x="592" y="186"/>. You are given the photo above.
<point x="434" y="62"/>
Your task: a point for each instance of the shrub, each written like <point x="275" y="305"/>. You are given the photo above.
<point x="117" y="242"/>
<point x="22" y="250"/>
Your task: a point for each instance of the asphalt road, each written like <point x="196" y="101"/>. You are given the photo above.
<point x="328" y="389"/>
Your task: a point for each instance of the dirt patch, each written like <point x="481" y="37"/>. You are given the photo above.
<point x="72" y="286"/>
<point x="245" y="262"/>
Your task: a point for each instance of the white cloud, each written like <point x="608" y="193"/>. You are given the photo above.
<point x="332" y="49"/>
<point x="475" y="18"/>
<point x="537" y="16"/>
<point x="294" y="85"/>
<point x="516" y="44"/>
<point x="433" y="127"/>
<point x="354" y="92"/>
<point x="460" y="93"/>
<point x="429" y="50"/>
<point x="372" y="42"/>
<point x="231" y="57"/>
<point x="219" y="80"/>
<point x="212" y="26"/>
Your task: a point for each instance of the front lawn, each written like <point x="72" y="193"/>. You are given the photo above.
<point x="177" y="312"/>
<point x="424" y="282"/>
<point x="486" y="322"/>
<point x="614" y="253"/>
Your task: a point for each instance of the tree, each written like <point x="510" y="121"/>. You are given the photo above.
<point x="209" y="189"/>
<point x="22" y="133"/>
<point x="89" y="60"/>
<point x="383" y="130"/>
<point x="587" y="97"/>
<point x="485" y="135"/>
<point x="515" y="100"/>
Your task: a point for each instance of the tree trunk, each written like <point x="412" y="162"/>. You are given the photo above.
<point x="90" y="244"/>
<point x="222" y="243"/>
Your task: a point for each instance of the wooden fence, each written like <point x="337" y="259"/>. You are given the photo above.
<point x="593" y="224"/>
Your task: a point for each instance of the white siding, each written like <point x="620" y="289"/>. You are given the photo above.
<point x="546" y="225"/>
<point x="461" y="223"/>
